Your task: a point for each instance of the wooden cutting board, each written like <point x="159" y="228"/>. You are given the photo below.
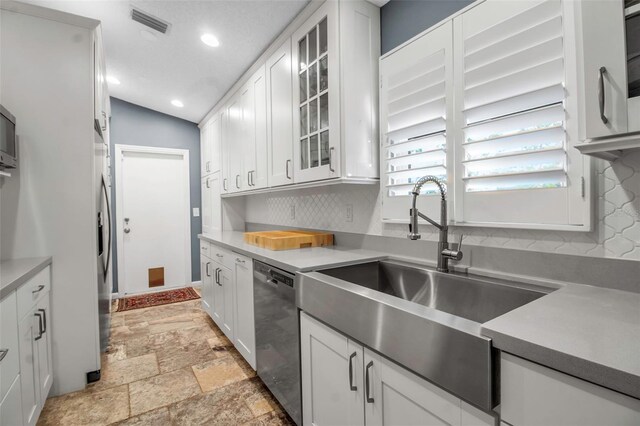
<point x="288" y="240"/>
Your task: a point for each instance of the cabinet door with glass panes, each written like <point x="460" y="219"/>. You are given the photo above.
<point x="316" y="96"/>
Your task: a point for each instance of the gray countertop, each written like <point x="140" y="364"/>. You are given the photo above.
<point x="589" y="332"/>
<point x="15" y="272"/>
<point x="300" y="260"/>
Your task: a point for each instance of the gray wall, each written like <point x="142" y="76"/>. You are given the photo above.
<point x="135" y="125"/>
<point x="400" y="20"/>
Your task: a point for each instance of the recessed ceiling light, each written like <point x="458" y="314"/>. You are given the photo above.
<point x="210" y="40"/>
<point x="112" y="80"/>
<point x="177" y="103"/>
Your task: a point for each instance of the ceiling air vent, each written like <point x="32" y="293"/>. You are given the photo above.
<point x="150" y="21"/>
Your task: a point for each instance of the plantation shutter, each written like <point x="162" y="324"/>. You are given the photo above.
<point x="511" y="114"/>
<point x="415" y="96"/>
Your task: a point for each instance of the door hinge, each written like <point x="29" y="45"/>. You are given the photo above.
<point x="584" y="189"/>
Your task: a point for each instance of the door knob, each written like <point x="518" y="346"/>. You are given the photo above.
<point x="127" y="230"/>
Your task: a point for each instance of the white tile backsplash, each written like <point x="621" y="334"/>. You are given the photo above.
<point x="616" y="231"/>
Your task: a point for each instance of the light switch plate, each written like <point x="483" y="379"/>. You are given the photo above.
<point x="196" y="212"/>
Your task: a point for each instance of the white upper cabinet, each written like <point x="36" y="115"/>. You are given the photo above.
<point x="604" y="67"/>
<point x="224" y="148"/>
<point x="254" y="117"/>
<point x="515" y="117"/>
<point x="280" y="116"/>
<point x="334" y="57"/>
<point x="210" y="140"/>
<point x="235" y="139"/>
<point x="416" y="98"/>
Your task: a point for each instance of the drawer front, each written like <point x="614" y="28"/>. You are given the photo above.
<point x="30" y="292"/>
<point x="10" y="362"/>
<point x="205" y="249"/>
<point x="223" y="256"/>
<point x="537" y="395"/>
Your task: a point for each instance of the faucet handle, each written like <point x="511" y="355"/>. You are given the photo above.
<point x="460" y="242"/>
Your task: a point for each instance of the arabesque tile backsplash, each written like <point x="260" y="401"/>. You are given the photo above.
<point x="616" y="231"/>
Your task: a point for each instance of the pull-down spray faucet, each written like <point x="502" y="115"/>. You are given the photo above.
<point x="444" y="252"/>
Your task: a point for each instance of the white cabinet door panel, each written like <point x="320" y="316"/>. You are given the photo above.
<point x="398" y="397"/>
<point x="603" y="38"/>
<point x="45" y="365"/>
<point x="218" y="295"/>
<point x="227" y="282"/>
<point x="245" y="340"/>
<point x="330" y="396"/>
<point x="279" y="116"/>
<point x="10" y="364"/>
<point x="28" y="331"/>
<point x="11" y="405"/>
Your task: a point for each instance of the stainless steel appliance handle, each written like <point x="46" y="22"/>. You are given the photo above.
<point x="106" y="200"/>
<point x="351" y="385"/>
<point x="287" y="168"/>
<point x="3" y="353"/>
<point x="39" y="336"/>
<point x="367" y="384"/>
<point x="601" y="95"/>
<point x="331" y="159"/>
<point x="38" y="289"/>
<point x="44" y="319"/>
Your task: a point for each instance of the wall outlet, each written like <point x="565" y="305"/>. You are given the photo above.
<point x="196" y="212"/>
<point x="349" y="215"/>
<point x="292" y="211"/>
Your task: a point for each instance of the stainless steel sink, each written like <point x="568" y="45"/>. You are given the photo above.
<point x="427" y="321"/>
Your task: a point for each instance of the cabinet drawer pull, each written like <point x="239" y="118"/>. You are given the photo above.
<point x="219" y="255"/>
<point x="331" y="159"/>
<point x="38" y="290"/>
<point x="351" y="385"/>
<point x="44" y="319"/>
<point x="208" y="183"/>
<point x="601" y="95"/>
<point x="224" y="184"/>
<point x="218" y="270"/>
<point x="3" y="353"/>
<point x="39" y="336"/>
<point x="237" y="179"/>
<point x="367" y="384"/>
<point x="207" y="268"/>
<point x="238" y="260"/>
<point x="287" y="169"/>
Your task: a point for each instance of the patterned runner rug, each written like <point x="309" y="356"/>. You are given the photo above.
<point x="156" y="299"/>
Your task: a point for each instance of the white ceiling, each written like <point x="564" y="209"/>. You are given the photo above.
<point x="177" y="65"/>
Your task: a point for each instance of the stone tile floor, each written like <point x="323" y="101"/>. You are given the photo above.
<point x="168" y="365"/>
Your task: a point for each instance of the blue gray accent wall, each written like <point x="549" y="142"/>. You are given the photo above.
<point x="135" y="125"/>
<point x="401" y="20"/>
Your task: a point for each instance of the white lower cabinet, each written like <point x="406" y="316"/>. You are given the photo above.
<point x="206" y="272"/>
<point x="11" y="404"/>
<point x="245" y="334"/>
<point x="227" y="285"/>
<point x="537" y="395"/>
<point x="345" y="383"/>
<point x="28" y="329"/>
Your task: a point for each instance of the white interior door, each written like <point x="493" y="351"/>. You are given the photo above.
<point x="153" y="218"/>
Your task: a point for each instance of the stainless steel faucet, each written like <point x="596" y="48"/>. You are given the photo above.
<point x="444" y="252"/>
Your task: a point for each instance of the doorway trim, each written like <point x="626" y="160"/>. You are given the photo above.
<point x="120" y="149"/>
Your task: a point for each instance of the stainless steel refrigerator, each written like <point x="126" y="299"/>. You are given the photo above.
<point x="102" y="187"/>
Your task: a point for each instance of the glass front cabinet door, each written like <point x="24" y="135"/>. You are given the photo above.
<point x="335" y="92"/>
<point x="316" y="106"/>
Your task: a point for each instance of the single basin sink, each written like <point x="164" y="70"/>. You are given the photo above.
<point x="427" y="321"/>
<point x="474" y="299"/>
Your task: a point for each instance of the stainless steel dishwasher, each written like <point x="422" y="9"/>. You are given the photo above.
<point x="277" y="336"/>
